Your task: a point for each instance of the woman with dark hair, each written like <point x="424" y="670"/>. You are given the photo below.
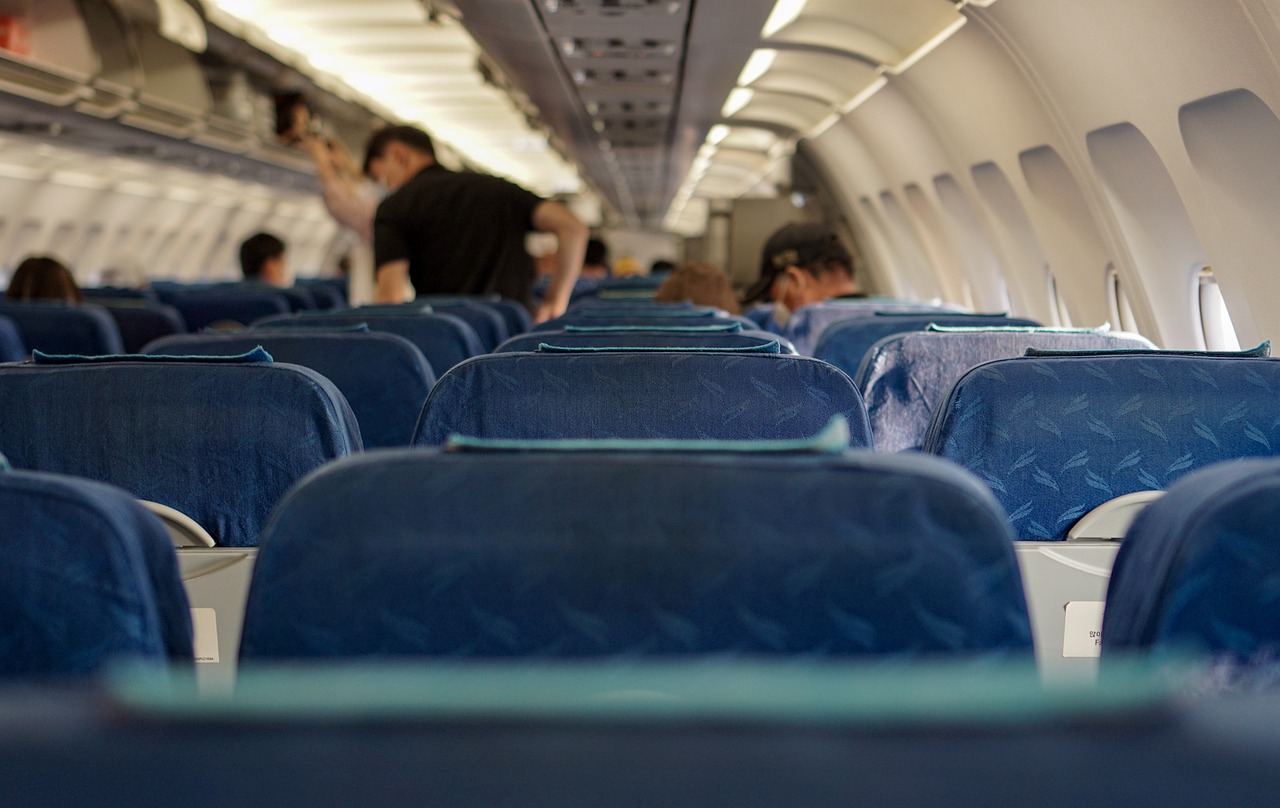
<point x="41" y="277"/>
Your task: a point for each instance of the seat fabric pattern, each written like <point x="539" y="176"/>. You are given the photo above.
<point x="662" y="395"/>
<point x="846" y="343"/>
<point x="545" y="554"/>
<point x="444" y="340"/>
<point x="1199" y="570"/>
<point x="1056" y="436"/>
<point x="384" y="377"/>
<point x="59" y="328"/>
<point x="90" y="576"/>
<point x="221" y="443"/>
<point x="906" y="375"/>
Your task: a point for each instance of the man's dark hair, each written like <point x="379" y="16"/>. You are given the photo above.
<point x="597" y="253"/>
<point x="257" y="250"/>
<point x="410" y="136"/>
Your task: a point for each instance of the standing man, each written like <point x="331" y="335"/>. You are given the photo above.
<point x="448" y="232"/>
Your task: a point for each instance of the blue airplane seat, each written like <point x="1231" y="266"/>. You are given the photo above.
<point x="845" y="343"/>
<point x="672" y="338"/>
<point x="1058" y="435"/>
<point x="384" y="377"/>
<point x="904" y="376"/>
<point x="657" y="319"/>
<point x="635" y="553"/>
<point x="1198" y="571"/>
<point x="218" y="438"/>
<point x="445" y="340"/>
<point x="143" y="323"/>
<point x="806" y="324"/>
<point x="65" y="328"/>
<point x="89" y="577"/>
<point x="489" y="324"/>
<point x="624" y="393"/>
<point x="225" y="305"/>
<point x="12" y="347"/>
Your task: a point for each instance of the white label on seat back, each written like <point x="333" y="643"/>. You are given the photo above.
<point x="1082" y="629"/>
<point x="204" y="624"/>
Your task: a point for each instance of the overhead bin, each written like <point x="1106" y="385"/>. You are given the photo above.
<point x="48" y="57"/>
<point x="120" y="77"/>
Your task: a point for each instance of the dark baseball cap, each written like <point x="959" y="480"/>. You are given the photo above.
<point x="798" y="245"/>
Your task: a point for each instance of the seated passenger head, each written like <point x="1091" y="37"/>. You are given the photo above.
<point x="702" y="284"/>
<point x="803" y="264"/>
<point x="41" y="277"/>
<point x="263" y="259"/>
<point x="394" y="154"/>
<point x="595" y="261"/>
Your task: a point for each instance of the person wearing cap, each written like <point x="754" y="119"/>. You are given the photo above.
<point x="803" y="263"/>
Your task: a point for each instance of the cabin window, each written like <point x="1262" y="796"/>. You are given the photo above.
<point x="1215" y="319"/>
<point x="1121" y="310"/>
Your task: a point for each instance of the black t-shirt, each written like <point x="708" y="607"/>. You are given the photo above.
<point x="461" y="233"/>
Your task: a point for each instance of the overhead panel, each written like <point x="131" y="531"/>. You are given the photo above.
<point x="624" y="59"/>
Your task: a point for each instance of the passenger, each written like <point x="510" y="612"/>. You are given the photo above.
<point x="263" y="260"/>
<point x="595" y="261"/>
<point x="661" y="266"/>
<point x="342" y="188"/>
<point x="803" y="264"/>
<point x="702" y="284"/>
<point x="448" y="232"/>
<point x="40" y="277"/>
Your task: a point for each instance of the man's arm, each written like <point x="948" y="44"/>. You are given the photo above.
<point x="392" y="283"/>
<point x="571" y="235"/>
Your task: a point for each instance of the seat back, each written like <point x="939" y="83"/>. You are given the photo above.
<point x="645" y="316"/>
<point x="490" y="325"/>
<point x="141" y="324"/>
<point x="1057" y="435"/>
<point x="221" y="305"/>
<point x="640" y="394"/>
<point x="384" y="377"/>
<point x="674" y="338"/>
<point x="603" y="553"/>
<point x="846" y="343"/>
<point x="89" y="576"/>
<point x="219" y="439"/>
<point x="1197" y="571"/>
<point x="444" y="340"/>
<point x="906" y="375"/>
<point x="805" y="326"/>
<point x="62" y="328"/>
<point x="12" y="347"/>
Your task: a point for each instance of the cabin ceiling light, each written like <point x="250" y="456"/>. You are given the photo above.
<point x="387" y="55"/>
<point x="782" y="15"/>
<point x="738" y="98"/>
<point x="893" y="34"/>
<point x="757" y="64"/>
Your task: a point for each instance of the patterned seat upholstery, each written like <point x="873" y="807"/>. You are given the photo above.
<point x="640" y="394"/>
<point x="906" y="375"/>
<point x="140" y="324"/>
<point x="220" y="440"/>
<point x="444" y="339"/>
<point x="201" y="308"/>
<point x="12" y="347"/>
<point x="674" y="338"/>
<point x="89" y="576"/>
<point x="384" y="377"/>
<point x="805" y="326"/>
<point x="1199" y="570"/>
<point x="658" y="318"/>
<point x="1056" y="436"/>
<point x="63" y="328"/>
<point x="614" y="553"/>
<point x="846" y="343"/>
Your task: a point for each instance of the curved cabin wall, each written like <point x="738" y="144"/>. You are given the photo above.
<point x="1006" y="107"/>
